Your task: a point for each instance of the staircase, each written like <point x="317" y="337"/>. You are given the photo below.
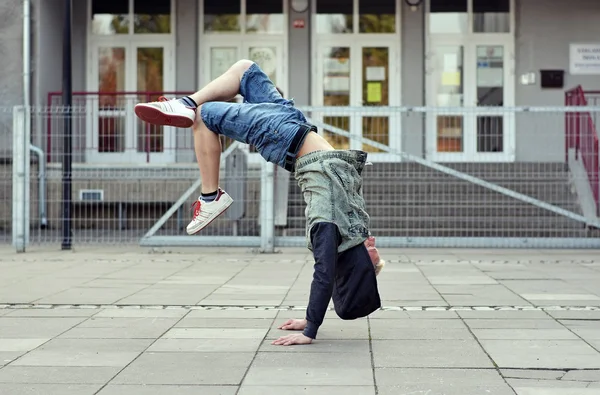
<point x="410" y="200"/>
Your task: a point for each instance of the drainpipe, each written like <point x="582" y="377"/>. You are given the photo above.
<point x="27" y="102"/>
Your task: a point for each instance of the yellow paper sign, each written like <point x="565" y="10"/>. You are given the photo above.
<point x="451" y="78"/>
<point x="374" y="92"/>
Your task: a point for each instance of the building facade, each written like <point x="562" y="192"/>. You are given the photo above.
<point x="351" y="53"/>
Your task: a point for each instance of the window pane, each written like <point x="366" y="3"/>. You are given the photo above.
<point x="490" y="75"/>
<point x="335" y="139"/>
<point x="266" y="59"/>
<point x="110" y="17"/>
<point x="111" y="132"/>
<point x="150" y="75"/>
<point x="491" y="16"/>
<point x="377" y="16"/>
<point x="375" y="74"/>
<point x="111" y="74"/>
<point x="222" y="15"/>
<point x="152" y="16"/>
<point x="264" y="17"/>
<point x="376" y="129"/>
<point x="221" y="59"/>
<point x="449" y="76"/>
<point x="450" y="133"/>
<point x="489" y="134"/>
<point x="448" y="16"/>
<point x="334" y="16"/>
<point x="336" y="76"/>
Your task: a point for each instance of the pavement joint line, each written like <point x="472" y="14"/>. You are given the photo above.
<point x="16" y="306"/>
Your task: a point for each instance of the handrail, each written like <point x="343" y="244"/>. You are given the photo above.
<point x="582" y="136"/>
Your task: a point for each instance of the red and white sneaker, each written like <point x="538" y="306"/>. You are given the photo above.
<point x="166" y="112"/>
<point x="205" y="213"/>
<point x="378" y="263"/>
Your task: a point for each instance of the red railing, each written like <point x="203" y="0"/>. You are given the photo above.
<point x="105" y="100"/>
<point x="582" y="136"/>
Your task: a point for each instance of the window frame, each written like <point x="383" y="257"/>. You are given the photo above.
<point x="356" y="22"/>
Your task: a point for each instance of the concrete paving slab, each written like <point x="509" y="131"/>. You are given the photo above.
<point x="414" y="315"/>
<point x="582" y="375"/>
<point x="392" y="332"/>
<point x="316" y="369"/>
<point x="215" y="333"/>
<point x="532" y="374"/>
<point x="232" y="313"/>
<point x="549" y="387"/>
<point x="141" y="313"/>
<point x="514" y="324"/>
<point x="248" y="323"/>
<point x="80" y="358"/>
<point x="51" y="313"/>
<point x="132" y="389"/>
<point x="205" y="345"/>
<point x="49" y="389"/>
<point x="504" y="315"/>
<point x="321" y="346"/>
<point x="306" y="390"/>
<point x="20" y="345"/>
<point x="535" y="354"/>
<point x="186" y="368"/>
<point x="429" y="354"/>
<point x="461" y="280"/>
<point x="35" y="328"/>
<point x="57" y="374"/>
<point x="444" y="390"/>
<point x="7" y="357"/>
<point x="524" y="334"/>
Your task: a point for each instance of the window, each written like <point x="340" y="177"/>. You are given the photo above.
<point x="225" y="16"/>
<point x="339" y="16"/>
<point x="115" y="17"/>
<point x="452" y="16"/>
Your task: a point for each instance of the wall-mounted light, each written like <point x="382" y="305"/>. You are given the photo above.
<point x="414" y="4"/>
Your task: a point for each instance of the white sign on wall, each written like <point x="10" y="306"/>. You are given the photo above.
<point x="585" y="59"/>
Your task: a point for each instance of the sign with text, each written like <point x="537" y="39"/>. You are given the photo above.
<point x="585" y="59"/>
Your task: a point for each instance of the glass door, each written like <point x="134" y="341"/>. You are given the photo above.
<point x="467" y="83"/>
<point x="358" y="77"/>
<point x="114" y="133"/>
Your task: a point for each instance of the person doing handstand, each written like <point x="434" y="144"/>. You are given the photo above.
<point x="337" y="224"/>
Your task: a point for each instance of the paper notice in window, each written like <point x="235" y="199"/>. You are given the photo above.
<point x="375" y="73"/>
<point x="374" y="92"/>
<point x="451" y="78"/>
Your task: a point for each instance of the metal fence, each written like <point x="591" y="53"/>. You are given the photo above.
<point x="440" y="178"/>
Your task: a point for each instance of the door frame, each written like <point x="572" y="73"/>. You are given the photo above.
<point x="131" y="154"/>
<point x="356" y="108"/>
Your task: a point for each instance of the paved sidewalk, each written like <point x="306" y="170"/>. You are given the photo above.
<point x="132" y="321"/>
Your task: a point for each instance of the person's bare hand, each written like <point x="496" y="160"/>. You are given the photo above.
<point x="289" y="340"/>
<point x="293" y="325"/>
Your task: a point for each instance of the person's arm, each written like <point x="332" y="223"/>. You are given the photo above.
<point x="325" y="239"/>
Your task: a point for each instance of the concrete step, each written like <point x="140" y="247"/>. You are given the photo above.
<point x="500" y="233"/>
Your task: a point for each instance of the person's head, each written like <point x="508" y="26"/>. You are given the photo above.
<point x="378" y="263"/>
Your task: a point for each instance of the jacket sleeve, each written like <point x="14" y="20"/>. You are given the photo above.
<point x="325" y="239"/>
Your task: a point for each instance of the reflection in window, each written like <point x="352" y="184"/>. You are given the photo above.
<point x="111" y="75"/>
<point x="490" y="75"/>
<point x="377" y="16"/>
<point x="222" y="15"/>
<point x="336" y="76"/>
<point x="448" y="16"/>
<point x="266" y="59"/>
<point x="450" y="133"/>
<point x="491" y="16"/>
<point x="489" y="134"/>
<point x="152" y="16"/>
<point x="264" y="17"/>
<point x="375" y="62"/>
<point x="334" y="16"/>
<point x="449" y="84"/>
<point x="376" y="129"/>
<point x="110" y="17"/>
<point x="111" y="133"/>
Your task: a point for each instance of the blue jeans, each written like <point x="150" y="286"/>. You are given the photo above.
<point x="265" y="120"/>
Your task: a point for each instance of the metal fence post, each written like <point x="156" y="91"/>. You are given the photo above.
<point x="267" y="212"/>
<point x="21" y="177"/>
